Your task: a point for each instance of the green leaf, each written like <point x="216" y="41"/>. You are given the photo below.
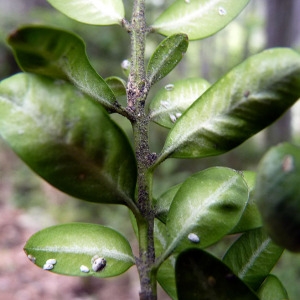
<point x="166" y="57"/>
<point x="206" y="207"/>
<point x="198" y="18"/>
<point x="272" y="289"/>
<point x="201" y="276"/>
<point x="74" y="245"/>
<point x="166" y="272"/>
<point x="59" y="54"/>
<point x="277" y="194"/>
<point x="117" y="85"/>
<point x="173" y="100"/>
<point x="252" y="257"/>
<point x="163" y="203"/>
<point x="243" y="102"/>
<point x="96" y="12"/>
<point x="251" y="217"/>
<point x="166" y="277"/>
<point x="67" y="138"/>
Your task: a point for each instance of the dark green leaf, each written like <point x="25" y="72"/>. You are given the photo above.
<point x="272" y="289"/>
<point x="166" y="57"/>
<point x="252" y="257"/>
<point x="206" y="207"/>
<point x="251" y="217"/>
<point x="198" y="18"/>
<point x="172" y="101"/>
<point x="200" y="276"/>
<point x="96" y="12"/>
<point x="74" y="245"/>
<point x="277" y="194"/>
<point x="67" y="138"/>
<point x="59" y="54"/>
<point x="243" y="102"/>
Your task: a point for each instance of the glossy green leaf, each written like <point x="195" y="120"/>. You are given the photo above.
<point x="67" y="138"/>
<point x="251" y="217"/>
<point x="166" y="57"/>
<point x="163" y="203"/>
<point x="198" y="18"/>
<point x="59" y="54"/>
<point x="277" y="194"/>
<point x="243" y="102"/>
<point x="117" y="85"/>
<point x="272" y="289"/>
<point x="206" y="207"/>
<point x="74" y="245"/>
<point x="252" y="257"/>
<point x="201" y="276"/>
<point x="172" y="101"/>
<point x="96" y="12"/>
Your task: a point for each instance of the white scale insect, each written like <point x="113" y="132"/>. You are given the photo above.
<point x="98" y="263"/>
<point x="49" y="265"/>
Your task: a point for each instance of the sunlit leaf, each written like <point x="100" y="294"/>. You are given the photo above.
<point x="166" y="57"/>
<point x="272" y="289"/>
<point x="96" y="12"/>
<point x="251" y="217"/>
<point x="59" y="54"/>
<point x="200" y="276"/>
<point x="206" y="207"/>
<point x="243" y="102"/>
<point x="74" y="245"/>
<point x="172" y="101"/>
<point x="252" y="257"/>
<point x="198" y="18"/>
<point x="67" y="138"/>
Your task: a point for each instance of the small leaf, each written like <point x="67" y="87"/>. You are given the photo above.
<point x="251" y="217"/>
<point x="117" y="85"/>
<point x="166" y="277"/>
<point x="206" y="207"/>
<point x="59" y="54"/>
<point x="252" y="257"/>
<point x="272" y="289"/>
<point x="166" y="57"/>
<point x="198" y="18"/>
<point x="163" y="203"/>
<point x="67" y="138"/>
<point x="74" y="245"/>
<point x="201" y="276"/>
<point x="96" y="12"/>
<point x="243" y="102"/>
<point x="172" y="101"/>
<point x="166" y="272"/>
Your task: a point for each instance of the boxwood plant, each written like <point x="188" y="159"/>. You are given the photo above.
<point x="56" y="117"/>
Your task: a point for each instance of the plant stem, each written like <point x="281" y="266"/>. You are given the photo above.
<point x="137" y="91"/>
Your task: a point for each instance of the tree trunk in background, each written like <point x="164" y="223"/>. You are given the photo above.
<point x="281" y="19"/>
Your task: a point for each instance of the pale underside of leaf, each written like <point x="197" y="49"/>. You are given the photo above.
<point x="96" y="12"/>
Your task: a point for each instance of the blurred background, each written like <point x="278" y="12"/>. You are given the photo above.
<point x="28" y="204"/>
